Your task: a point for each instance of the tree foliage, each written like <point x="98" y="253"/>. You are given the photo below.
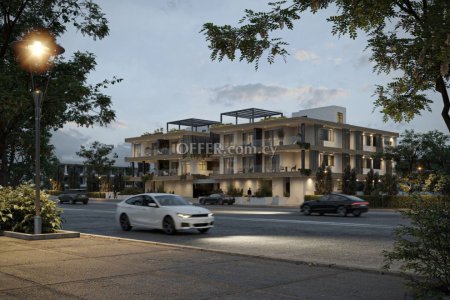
<point x="423" y="248"/>
<point x="69" y="97"/>
<point x="324" y="180"/>
<point x="408" y="37"/>
<point x="98" y="157"/>
<point x="428" y="152"/>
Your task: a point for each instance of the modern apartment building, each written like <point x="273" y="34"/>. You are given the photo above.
<point x="268" y="149"/>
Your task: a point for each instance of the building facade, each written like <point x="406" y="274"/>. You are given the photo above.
<point x="280" y="152"/>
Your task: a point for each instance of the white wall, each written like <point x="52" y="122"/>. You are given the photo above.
<point x="326" y="113"/>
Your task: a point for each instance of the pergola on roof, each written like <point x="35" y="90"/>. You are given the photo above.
<point x="192" y="122"/>
<point x="250" y="114"/>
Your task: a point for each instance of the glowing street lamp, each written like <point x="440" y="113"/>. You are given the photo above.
<point x="33" y="53"/>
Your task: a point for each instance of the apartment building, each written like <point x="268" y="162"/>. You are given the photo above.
<point x="266" y="149"/>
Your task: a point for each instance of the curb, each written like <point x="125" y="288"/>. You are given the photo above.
<point x="285" y="260"/>
<point x="59" y="234"/>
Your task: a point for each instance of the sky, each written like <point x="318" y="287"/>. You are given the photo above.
<point x="157" y="49"/>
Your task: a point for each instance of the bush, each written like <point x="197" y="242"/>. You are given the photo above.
<point x="234" y="192"/>
<point x="97" y="195"/>
<point x="53" y="192"/>
<point x="424" y="248"/>
<point x="132" y="191"/>
<point x="17" y="210"/>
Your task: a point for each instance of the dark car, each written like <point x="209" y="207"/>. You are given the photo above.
<point x="336" y="203"/>
<point x="216" y="199"/>
<point x="74" y="196"/>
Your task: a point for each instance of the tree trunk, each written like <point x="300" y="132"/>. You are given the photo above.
<point x="441" y="88"/>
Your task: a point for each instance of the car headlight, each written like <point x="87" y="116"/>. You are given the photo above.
<point x="211" y="214"/>
<point x="183" y="216"/>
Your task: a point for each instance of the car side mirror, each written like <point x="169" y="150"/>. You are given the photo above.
<point x="152" y="205"/>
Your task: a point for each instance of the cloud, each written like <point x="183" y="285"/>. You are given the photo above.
<point x="306" y="96"/>
<point x="68" y="141"/>
<point x="118" y="125"/>
<point x="362" y="61"/>
<point x="304" y="55"/>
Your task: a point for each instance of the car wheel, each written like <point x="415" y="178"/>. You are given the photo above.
<point x="342" y="211"/>
<point x="356" y="213"/>
<point x="85" y="202"/>
<point x="203" y="230"/>
<point x="321" y="214"/>
<point x="72" y="201"/>
<point x="306" y="210"/>
<point x="221" y="202"/>
<point x="125" y="222"/>
<point x="169" y="226"/>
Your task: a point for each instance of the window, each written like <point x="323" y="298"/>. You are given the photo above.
<point x="247" y="164"/>
<point x="228" y="140"/>
<point x="228" y="164"/>
<point x="171" y="200"/>
<point x="136" y="150"/>
<point x="272" y="163"/>
<point x="327" y="159"/>
<point x="368" y="163"/>
<point x="247" y="138"/>
<point x="326" y="135"/>
<point x="340" y="117"/>
<point x="377" y="163"/>
<point x="202" y="166"/>
<point x="148" y="200"/>
<point x="138" y="201"/>
<point x="269" y="138"/>
<point x="368" y="140"/>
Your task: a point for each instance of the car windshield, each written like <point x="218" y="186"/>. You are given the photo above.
<point x="171" y="200"/>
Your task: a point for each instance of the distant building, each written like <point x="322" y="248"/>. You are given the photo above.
<point x="270" y="149"/>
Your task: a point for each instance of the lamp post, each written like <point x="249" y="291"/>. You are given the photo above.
<point x="33" y="53"/>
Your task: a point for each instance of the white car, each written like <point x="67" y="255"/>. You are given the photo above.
<point x="163" y="211"/>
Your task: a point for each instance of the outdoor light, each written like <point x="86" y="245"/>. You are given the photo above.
<point x="33" y="52"/>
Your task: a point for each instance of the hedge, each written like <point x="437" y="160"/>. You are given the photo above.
<point x="394" y="202"/>
<point x="97" y="195"/>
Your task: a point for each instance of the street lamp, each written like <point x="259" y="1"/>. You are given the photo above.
<point x="33" y="53"/>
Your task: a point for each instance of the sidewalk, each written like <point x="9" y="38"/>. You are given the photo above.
<point x="104" y="268"/>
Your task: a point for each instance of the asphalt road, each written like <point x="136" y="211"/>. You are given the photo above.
<point x="273" y="232"/>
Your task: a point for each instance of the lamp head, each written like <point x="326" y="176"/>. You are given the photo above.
<point x="35" y="49"/>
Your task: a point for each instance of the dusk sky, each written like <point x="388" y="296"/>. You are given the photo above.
<point x="156" y="47"/>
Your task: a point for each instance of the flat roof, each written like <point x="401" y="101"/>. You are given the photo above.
<point x="251" y="114"/>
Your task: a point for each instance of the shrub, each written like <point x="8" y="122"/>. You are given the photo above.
<point x="234" y="192"/>
<point x="97" y="195"/>
<point x="17" y="210"/>
<point x="132" y="191"/>
<point x="265" y="190"/>
<point x="423" y="247"/>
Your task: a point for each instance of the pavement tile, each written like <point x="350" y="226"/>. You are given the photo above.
<point x="346" y="286"/>
<point x="8" y="282"/>
<point x="155" y="285"/>
<point x="255" y="273"/>
<point x="111" y="249"/>
<point x="68" y="270"/>
<point x="25" y="257"/>
<point x="7" y="245"/>
<point x="171" y="258"/>
<point x="35" y="292"/>
<point x="71" y="242"/>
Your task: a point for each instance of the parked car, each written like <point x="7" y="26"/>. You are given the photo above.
<point x="336" y="203"/>
<point x="220" y="199"/>
<point x="73" y="196"/>
<point x="168" y="212"/>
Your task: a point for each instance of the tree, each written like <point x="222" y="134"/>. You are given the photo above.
<point x="368" y="186"/>
<point x="438" y="183"/>
<point x="346" y="176"/>
<point x="97" y="157"/>
<point x="388" y="184"/>
<point x="328" y="181"/>
<point x="427" y="151"/>
<point x="69" y="97"/>
<point x="320" y="180"/>
<point x="422" y="247"/>
<point x="324" y="181"/>
<point x="408" y="37"/>
<point x="98" y="163"/>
